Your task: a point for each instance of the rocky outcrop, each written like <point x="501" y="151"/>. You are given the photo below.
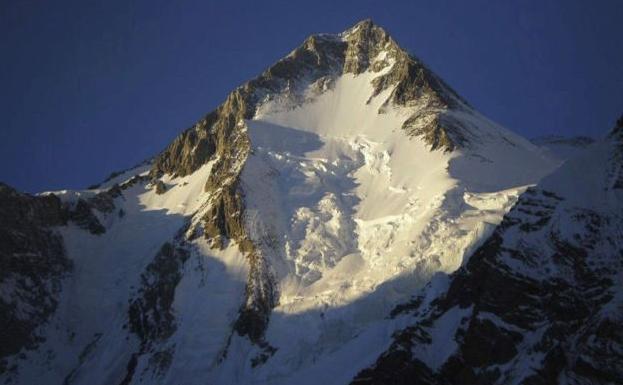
<point x="150" y="314"/>
<point x="439" y="130"/>
<point x="616" y="166"/>
<point x="32" y="266"/>
<point x="83" y="211"/>
<point x="82" y="216"/>
<point x="161" y="188"/>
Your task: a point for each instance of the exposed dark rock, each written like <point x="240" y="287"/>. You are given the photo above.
<point x="438" y="130"/>
<point x="484" y="343"/>
<point x="104" y="201"/>
<point x="130" y="369"/>
<point x="616" y="164"/>
<point x="150" y="314"/>
<point x="410" y="306"/>
<point x="224" y="218"/>
<point x="398" y="366"/>
<point x="267" y="352"/>
<point x="88" y="349"/>
<point x="161" y="188"/>
<point x="365" y="42"/>
<point x="188" y="151"/>
<point x="82" y="212"/>
<point x="261" y="298"/>
<point x="161" y="360"/>
<point x="112" y="175"/>
<point x="32" y="266"/>
<point x="134" y="181"/>
<point x="617" y="131"/>
<point x="82" y="215"/>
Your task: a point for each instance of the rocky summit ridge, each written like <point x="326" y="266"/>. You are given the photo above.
<point x="319" y="59"/>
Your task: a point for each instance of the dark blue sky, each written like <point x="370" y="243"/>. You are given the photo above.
<point x="90" y="87"/>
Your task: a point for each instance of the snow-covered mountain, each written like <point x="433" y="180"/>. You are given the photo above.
<point x="274" y="241"/>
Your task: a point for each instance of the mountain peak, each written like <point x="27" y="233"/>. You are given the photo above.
<point x="365" y="42"/>
<point x="367" y="47"/>
<point x="362" y="30"/>
<point x="365" y="23"/>
<point x="316" y="64"/>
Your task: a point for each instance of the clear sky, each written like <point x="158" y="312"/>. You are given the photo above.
<point x="90" y="87"/>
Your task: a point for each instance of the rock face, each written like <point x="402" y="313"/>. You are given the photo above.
<point x="150" y="314"/>
<point x="616" y="171"/>
<point x="537" y="302"/>
<point x="161" y="188"/>
<point x="33" y="262"/>
<point x="32" y="265"/>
